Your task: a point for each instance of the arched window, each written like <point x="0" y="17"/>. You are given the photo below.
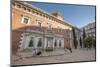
<point x="31" y="43"/>
<point x="39" y="42"/>
<point x="55" y="44"/>
<point x="60" y="43"/>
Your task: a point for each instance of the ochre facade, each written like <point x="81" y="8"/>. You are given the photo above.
<point x="39" y="25"/>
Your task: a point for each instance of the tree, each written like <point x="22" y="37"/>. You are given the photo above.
<point x="80" y="42"/>
<point x="89" y="41"/>
<point x="74" y="38"/>
<point x="84" y="36"/>
<point x="94" y="43"/>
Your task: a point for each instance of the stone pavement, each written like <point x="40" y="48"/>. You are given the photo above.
<point x="76" y="55"/>
<point x="29" y="54"/>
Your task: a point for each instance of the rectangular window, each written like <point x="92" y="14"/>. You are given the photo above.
<point x="25" y="20"/>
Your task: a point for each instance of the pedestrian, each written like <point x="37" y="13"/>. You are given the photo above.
<point x="68" y="48"/>
<point x="34" y="52"/>
<point x="39" y="53"/>
<point x="65" y="49"/>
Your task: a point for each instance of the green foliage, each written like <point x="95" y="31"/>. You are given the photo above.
<point x="89" y="41"/>
<point x="94" y="43"/>
<point x="80" y="42"/>
<point x="84" y="34"/>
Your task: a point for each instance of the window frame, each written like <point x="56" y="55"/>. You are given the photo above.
<point x="39" y="41"/>
<point x="26" y="18"/>
<point x="31" y="39"/>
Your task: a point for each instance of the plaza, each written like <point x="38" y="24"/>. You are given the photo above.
<point x="39" y="37"/>
<point x="76" y="56"/>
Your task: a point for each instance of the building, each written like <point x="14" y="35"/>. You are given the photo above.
<point x="90" y="29"/>
<point x="76" y="37"/>
<point x="35" y="28"/>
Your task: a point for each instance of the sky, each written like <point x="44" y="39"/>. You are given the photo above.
<point x="77" y="15"/>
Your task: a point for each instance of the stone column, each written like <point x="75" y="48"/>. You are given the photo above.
<point x="57" y="43"/>
<point x="35" y="42"/>
<point x="45" y="42"/>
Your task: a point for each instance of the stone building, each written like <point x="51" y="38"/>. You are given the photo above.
<point x="35" y="28"/>
<point x="90" y="29"/>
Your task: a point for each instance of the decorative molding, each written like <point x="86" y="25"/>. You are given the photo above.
<point x="42" y="13"/>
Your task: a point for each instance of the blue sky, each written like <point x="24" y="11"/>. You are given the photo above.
<point x="77" y="15"/>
